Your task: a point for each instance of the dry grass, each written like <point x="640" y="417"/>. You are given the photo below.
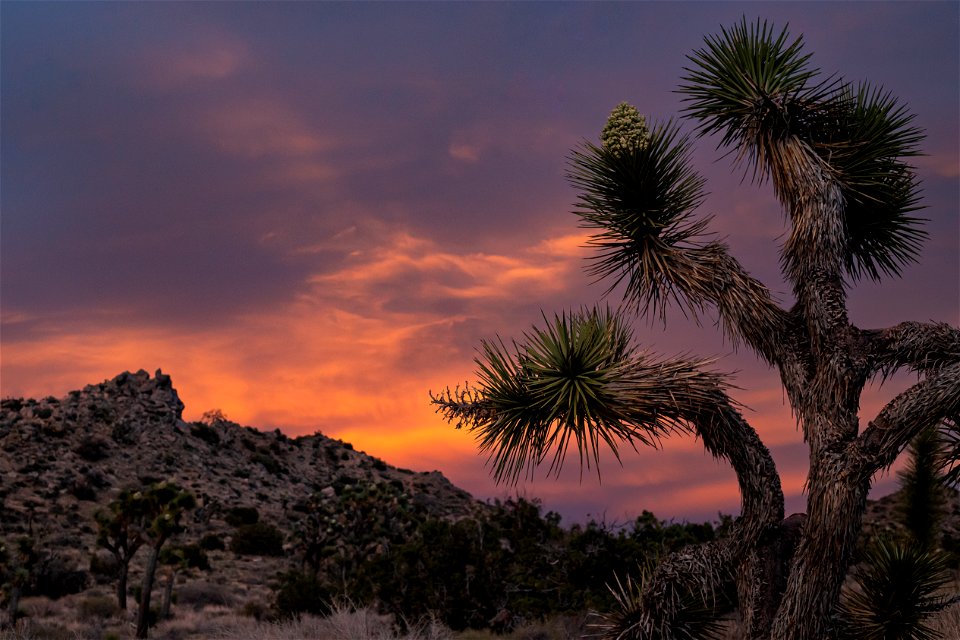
<point x="51" y="621"/>
<point x="59" y="620"/>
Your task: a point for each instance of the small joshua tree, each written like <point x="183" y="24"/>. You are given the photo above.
<point x="164" y="504"/>
<point x="149" y="516"/>
<point x="835" y="153"/>
<point x="18" y="562"/>
<point x="900" y="584"/>
<point x="923" y="489"/>
<point x="119" y="531"/>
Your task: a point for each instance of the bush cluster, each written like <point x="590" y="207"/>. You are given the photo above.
<point x="510" y="563"/>
<point x="258" y="539"/>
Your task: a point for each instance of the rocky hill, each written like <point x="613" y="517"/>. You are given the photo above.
<point x="62" y="459"/>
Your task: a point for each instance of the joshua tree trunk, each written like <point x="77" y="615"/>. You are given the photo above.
<point x="168" y="594"/>
<point x="13" y="606"/>
<point x="124" y="570"/>
<point x="143" y="615"/>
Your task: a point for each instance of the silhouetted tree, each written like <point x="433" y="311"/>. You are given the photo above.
<point x="119" y="531"/>
<point x="17" y="565"/>
<point x="835" y="153"/>
<point x="164" y="504"/>
<point x="149" y="516"/>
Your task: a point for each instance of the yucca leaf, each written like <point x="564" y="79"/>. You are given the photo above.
<point x="691" y="614"/>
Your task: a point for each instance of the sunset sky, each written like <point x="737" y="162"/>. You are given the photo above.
<point x="309" y="214"/>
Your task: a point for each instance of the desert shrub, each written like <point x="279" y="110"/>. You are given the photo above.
<point x="146" y="479"/>
<point x="54" y="579"/>
<point x="205" y="432"/>
<point x="94" y="607"/>
<point x="96" y="478"/>
<point x="212" y="542"/>
<point x="123" y="433"/>
<point x="48" y="631"/>
<point x="81" y="489"/>
<point x="93" y="449"/>
<point x="258" y="539"/>
<point x="104" y="567"/>
<point x="254" y="609"/>
<point x="202" y="594"/>
<point x="189" y="555"/>
<point x="52" y="429"/>
<point x="298" y="592"/>
<point x="12" y="404"/>
<point x="271" y="464"/>
<point x="239" y="516"/>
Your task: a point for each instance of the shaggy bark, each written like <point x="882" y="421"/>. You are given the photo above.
<point x="123" y="571"/>
<point x="168" y="594"/>
<point x="143" y="615"/>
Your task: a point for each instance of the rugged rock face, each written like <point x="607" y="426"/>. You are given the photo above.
<point x="62" y="459"/>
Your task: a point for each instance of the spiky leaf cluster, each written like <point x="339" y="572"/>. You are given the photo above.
<point x="567" y="381"/>
<point x="138" y="516"/>
<point x="640" y="200"/>
<point x="750" y="87"/>
<point x="899" y="588"/>
<point x="578" y="380"/>
<point x="691" y="617"/>
<point x="862" y="135"/>
<point x="755" y="89"/>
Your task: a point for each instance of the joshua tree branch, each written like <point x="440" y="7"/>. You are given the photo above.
<point x="710" y="275"/>
<point x="919" y="346"/>
<point x="926" y="403"/>
<point x="727" y="435"/>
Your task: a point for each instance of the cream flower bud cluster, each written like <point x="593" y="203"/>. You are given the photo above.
<point x="626" y="130"/>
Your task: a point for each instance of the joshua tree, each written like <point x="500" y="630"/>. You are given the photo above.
<point x="899" y="584"/>
<point x="164" y="505"/>
<point x="835" y="153"/>
<point x="149" y="516"/>
<point x="119" y="532"/>
<point x="17" y="567"/>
